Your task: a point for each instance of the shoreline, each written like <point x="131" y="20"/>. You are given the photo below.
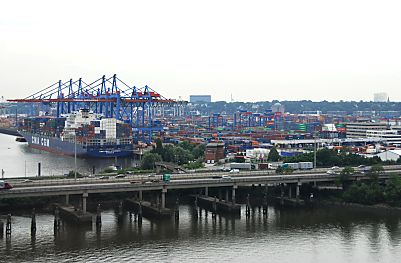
<point x="376" y="207"/>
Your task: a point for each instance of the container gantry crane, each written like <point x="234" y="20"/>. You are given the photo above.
<point x="110" y="97"/>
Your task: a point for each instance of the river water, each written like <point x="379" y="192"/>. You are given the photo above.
<point x="19" y="160"/>
<point x="286" y="235"/>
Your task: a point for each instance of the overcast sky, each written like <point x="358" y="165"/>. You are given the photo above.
<point x="254" y="50"/>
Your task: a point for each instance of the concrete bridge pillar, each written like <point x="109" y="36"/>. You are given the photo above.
<point x="163" y="204"/>
<point x="297" y="191"/>
<point x="140" y="195"/>
<point x="233" y="193"/>
<point x="282" y="194"/>
<point x="289" y="191"/>
<point x="226" y="196"/>
<point x="84" y="196"/>
<point x="220" y="195"/>
<point x="207" y="191"/>
<point x="67" y="199"/>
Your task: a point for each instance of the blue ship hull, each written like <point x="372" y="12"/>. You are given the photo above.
<point x="56" y="145"/>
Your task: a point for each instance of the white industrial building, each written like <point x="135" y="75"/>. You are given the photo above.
<point x="380" y="97"/>
<point x="359" y="129"/>
<point x="387" y="136"/>
<point x="278" y="107"/>
<point x="390" y="155"/>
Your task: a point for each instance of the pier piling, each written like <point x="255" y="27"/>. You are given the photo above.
<point x="140" y="214"/>
<point x="33" y="222"/>
<point x="265" y="205"/>
<point x="120" y="208"/>
<point x="248" y="207"/>
<point x="57" y="221"/>
<point x="176" y="210"/>
<point x="214" y="208"/>
<point x="98" y="217"/>
<point x="8" y="226"/>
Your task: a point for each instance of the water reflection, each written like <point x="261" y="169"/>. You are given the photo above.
<point x="316" y="235"/>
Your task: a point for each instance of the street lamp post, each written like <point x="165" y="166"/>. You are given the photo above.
<point x="75" y="156"/>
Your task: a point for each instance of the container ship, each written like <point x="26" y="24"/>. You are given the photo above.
<point x="84" y="132"/>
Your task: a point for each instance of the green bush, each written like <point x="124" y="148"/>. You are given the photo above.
<point x="71" y="174"/>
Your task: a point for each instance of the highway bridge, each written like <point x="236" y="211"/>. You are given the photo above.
<point x="85" y="187"/>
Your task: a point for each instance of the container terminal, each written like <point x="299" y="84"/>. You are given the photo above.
<point x="108" y="118"/>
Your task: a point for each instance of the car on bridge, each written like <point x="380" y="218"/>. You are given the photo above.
<point x="333" y="172"/>
<point x="5" y="185"/>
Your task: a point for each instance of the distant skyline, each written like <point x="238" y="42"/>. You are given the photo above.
<point x="253" y="50"/>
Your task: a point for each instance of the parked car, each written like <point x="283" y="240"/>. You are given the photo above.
<point x="226" y="177"/>
<point x="234" y="171"/>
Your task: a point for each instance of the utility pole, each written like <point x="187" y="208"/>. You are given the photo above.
<point x="314" y="150"/>
<point x="75" y="156"/>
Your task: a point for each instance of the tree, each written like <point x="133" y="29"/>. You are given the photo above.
<point x="347" y="171"/>
<point x="199" y="151"/>
<point x="159" y="146"/>
<point x="149" y="160"/>
<point x="273" y="156"/>
<point x="182" y="156"/>
<point x="186" y="145"/>
<point x="284" y="170"/>
<point x="345" y="175"/>
<point x="392" y="192"/>
<point x="375" y="171"/>
<point x="168" y="154"/>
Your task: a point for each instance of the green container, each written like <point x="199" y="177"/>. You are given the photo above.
<point x="166" y="177"/>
